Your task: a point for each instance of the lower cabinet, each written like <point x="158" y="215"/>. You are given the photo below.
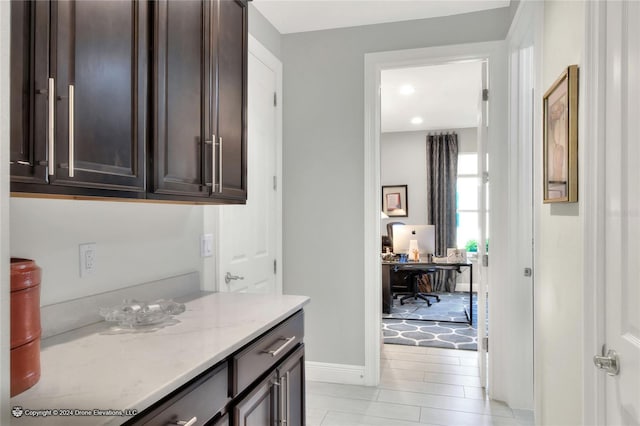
<point x="196" y="403"/>
<point x="291" y="396"/>
<point x="262" y="384"/>
<point x="259" y="406"/>
<point x="278" y="399"/>
<point x="223" y="421"/>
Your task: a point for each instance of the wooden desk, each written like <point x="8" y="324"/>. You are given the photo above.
<point x="389" y="268"/>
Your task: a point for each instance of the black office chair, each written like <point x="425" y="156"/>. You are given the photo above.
<point x="399" y="285"/>
<point x="415" y="293"/>
<point x="390" y="231"/>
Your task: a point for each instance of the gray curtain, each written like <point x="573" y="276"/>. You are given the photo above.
<point x="442" y="174"/>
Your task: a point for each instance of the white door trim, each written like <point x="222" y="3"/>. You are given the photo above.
<point x="265" y="56"/>
<point x="593" y="209"/>
<point x="524" y="60"/>
<point x="374" y="63"/>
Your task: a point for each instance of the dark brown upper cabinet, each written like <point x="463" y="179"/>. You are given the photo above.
<point x="28" y="92"/>
<point x="200" y="71"/>
<point x="84" y="97"/>
<point x="232" y="99"/>
<point x="130" y="99"/>
<point x="182" y="85"/>
<point x="99" y="67"/>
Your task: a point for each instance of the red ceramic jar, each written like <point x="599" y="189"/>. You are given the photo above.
<point x="25" y="324"/>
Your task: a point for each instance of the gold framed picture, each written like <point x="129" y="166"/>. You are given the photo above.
<point x="560" y="139"/>
<point x="394" y="201"/>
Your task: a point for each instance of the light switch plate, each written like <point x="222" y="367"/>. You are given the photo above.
<point x="206" y="245"/>
<point x="87" y="259"/>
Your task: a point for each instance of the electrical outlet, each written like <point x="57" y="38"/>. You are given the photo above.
<point x="206" y="245"/>
<point x="87" y="259"/>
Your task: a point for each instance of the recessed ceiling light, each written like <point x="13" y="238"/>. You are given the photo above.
<point x="416" y="120"/>
<point x="407" y="89"/>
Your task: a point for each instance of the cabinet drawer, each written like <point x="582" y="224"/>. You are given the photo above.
<point x="203" y="398"/>
<point x="257" y="358"/>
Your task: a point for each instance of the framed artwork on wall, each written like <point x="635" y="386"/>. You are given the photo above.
<point x="394" y="201"/>
<point x="560" y="139"/>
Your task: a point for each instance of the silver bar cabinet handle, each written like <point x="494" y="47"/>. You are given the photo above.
<point x="220" y="166"/>
<point x="190" y="422"/>
<point x="288" y="395"/>
<point x="51" y="132"/>
<point x="213" y="163"/>
<point x="283" y="401"/>
<point x="71" y="135"/>
<point x="287" y="342"/>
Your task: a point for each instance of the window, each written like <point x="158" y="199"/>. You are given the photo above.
<point x="467" y="199"/>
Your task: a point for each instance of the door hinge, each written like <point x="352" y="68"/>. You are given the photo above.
<point x="274" y="266"/>
<point x="485" y="260"/>
<point x="275" y="183"/>
<point x="528" y="272"/>
<point x="275" y="99"/>
<point x="485" y="177"/>
<point x="485" y="344"/>
<point x="485" y="94"/>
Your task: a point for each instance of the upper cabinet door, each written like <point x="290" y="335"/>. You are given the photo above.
<point x="29" y="85"/>
<point x="232" y="39"/>
<point x="182" y="86"/>
<point x="130" y="99"/>
<point x="99" y="65"/>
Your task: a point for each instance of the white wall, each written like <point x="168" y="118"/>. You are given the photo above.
<point x="403" y="159"/>
<point x="264" y="31"/>
<point x="136" y="242"/>
<point x="5" y="25"/>
<point x="323" y="166"/>
<point x="559" y="238"/>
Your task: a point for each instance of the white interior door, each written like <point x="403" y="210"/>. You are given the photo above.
<point x="248" y="235"/>
<point x="622" y="217"/>
<point x="483" y="221"/>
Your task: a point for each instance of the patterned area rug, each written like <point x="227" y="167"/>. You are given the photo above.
<point x="416" y="324"/>
<point x="451" y="307"/>
<point x="429" y="333"/>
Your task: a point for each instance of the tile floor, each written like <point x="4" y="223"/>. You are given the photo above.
<point x="418" y="386"/>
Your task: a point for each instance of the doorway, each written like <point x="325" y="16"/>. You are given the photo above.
<point x="422" y="108"/>
<point x="494" y="53"/>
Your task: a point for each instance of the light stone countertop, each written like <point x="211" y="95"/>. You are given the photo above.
<point x="95" y="367"/>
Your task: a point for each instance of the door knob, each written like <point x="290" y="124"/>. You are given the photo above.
<point x="229" y="277"/>
<point x="609" y="362"/>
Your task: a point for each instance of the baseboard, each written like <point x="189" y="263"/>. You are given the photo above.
<point x="334" y="373"/>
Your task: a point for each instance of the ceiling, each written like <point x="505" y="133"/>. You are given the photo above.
<point x="442" y="96"/>
<point x="292" y="16"/>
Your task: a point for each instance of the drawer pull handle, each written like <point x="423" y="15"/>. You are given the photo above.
<point x="188" y="423"/>
<point x="287" y="340"/>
